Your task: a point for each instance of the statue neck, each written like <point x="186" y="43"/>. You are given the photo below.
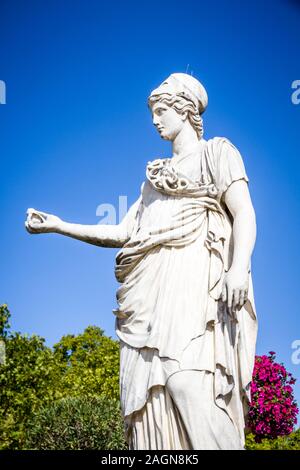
<point x="185" y="141"/>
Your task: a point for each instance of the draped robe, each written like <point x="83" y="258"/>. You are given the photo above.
<point x="170" y="315"/>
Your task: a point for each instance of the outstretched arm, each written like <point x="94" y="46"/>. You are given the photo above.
<point x="238" y="201"/>
<point x="101" y="235"/>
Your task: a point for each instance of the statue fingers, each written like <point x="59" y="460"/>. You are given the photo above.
<point x="229" y="297"/>
<point x="34" y="225"/>
<point x="35" y="214"/>
<point x="224" y="293"/>
<point x="242" y="298"/>
<point x="36" y="217"/>
<point x="29" y="227"/>
<point x="236" y="297"/>
<point x="30" y="210"/>
<point x="43" y="214"/>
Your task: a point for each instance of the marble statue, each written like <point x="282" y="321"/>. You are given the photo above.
<point x="186" y="317"/>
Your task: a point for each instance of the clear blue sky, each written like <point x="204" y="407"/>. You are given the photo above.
<point x="76" y="132"/>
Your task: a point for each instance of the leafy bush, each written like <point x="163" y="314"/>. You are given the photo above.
<point x="273" y="410"/>
<point x="291" y="442"/>
<point x="76" y="424"/>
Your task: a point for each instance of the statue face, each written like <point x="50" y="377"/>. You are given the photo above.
<point x="167" y="120"/>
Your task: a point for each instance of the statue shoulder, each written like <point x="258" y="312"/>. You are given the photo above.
<point x="222" y="148"/>
<point x="228" y="162"/>
<point x="217" y="143"/>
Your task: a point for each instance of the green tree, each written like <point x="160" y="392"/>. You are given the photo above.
<point x="29" y="377"/>
<point x="4" y="321"/>
<point x="91" y="364"/>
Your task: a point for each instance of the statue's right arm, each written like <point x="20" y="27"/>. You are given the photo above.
<point x="110" y="236"/>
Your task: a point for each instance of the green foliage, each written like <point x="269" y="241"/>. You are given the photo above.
<point x="91" y="364"/>
<point x="290" y="442"/>
<point x="4" y="321"/>
<point x="28" y="379"/>
<point x="68" y="397"/>
<point x="33" y="375"/>
<point x="77" y="424"/>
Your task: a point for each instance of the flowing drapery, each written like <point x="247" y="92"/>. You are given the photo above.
<point x="170" y="316"/>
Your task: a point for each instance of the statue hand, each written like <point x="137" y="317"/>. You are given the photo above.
<point x="40" y="222"/>
<point x="235" y="288"/>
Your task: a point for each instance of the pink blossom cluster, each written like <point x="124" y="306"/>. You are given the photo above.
<point x="273" y="409"/>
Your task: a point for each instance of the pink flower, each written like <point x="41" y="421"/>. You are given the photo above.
<point x="273" y="409"/>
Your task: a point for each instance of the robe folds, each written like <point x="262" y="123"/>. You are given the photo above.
<point x="170" y="315"/>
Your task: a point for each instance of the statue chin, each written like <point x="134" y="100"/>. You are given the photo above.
<point x="165" y="136"/>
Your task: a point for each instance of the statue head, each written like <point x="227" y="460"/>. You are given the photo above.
<point x="179" y="101"/>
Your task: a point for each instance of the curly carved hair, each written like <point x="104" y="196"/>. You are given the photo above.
<point x="181" y="105"/>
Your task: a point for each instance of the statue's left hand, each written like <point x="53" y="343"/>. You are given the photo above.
<point x="41" y="222"/>
<point x="235" y="288"/>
